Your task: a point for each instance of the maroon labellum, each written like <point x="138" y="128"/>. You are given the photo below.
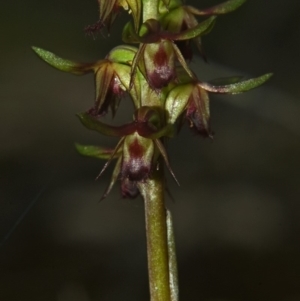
<point x="159" y="64"/>
<point x="137" y="157"/>
<point x="129" y="189"/>
<point x="198" y="112"/>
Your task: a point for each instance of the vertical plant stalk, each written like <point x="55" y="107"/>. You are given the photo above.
<point x="150" y="9"/>
<point x="157" y="228"/>
<point x="152" y="191"/>
<point x="140" y="152"/>
<point x="173" y="273"/>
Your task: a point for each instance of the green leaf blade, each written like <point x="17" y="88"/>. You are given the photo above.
<point x="220" y="9"/>
<point x="201" y="29"/>
<point x="94" y="151"/>
<point x="62" y="64"/>
<point x="238" y="87"/>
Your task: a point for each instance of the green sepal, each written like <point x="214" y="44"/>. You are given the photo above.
<point x="166" y="3"/>
<point x="94" y="151"/>
<point x="62" y="64"/>
<point x="201" y="29"/>
<point x="92" y="123"/>
<point x="222" y="81"/>
<point x="177" y="101"/>
<point x="182" y="76"/>
<point x="171" y="4"/>
<point x="135" y="7"/>
<point x="172" y="20"/>
<point x="166" y="131"/>
<point x="164" y="154"/>
<point x="129" y="34"/>
<point x="114" y="178"/>
<point x="103" y="79"/>
<point x="123" y="72"/>
<point x="238" y="87"/>
<point x="150" y="32"/>
<point x="122" y="54"/>
<point x="223" y="8"/>
<point x="201" y="101"/>
<point x="150" y="115"/>
<point x="105" y="8"/>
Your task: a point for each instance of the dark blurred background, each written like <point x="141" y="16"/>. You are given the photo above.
<point x="237" y="211"/>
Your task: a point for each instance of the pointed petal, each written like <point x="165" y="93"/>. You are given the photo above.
<point x="62" y="64"/>
<point x="116" y="150"/>
<point x="105" y="8"/>
<point x="202" y="105"/>
<point x="135" y="6"/>
<point x="201" y="29"/>
<point x="165" y="156"/>
<point x="94" y="151"/>
<point x="223" y="8"/>
<point x="198" y="112"/>
<point x="183" y="62"/>
<point x="92" y="123"/>
<point x="199" y="46"/>
<point x="137" y="58"/>
<point x="103" y="78"/>
<point x="113" y="180"/>
<point x="238" y="87"/>
<point x="136" y="82"/>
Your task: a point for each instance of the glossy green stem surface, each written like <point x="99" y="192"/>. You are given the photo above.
<point x="152" y="191"/>
<point x="150" y="9"/>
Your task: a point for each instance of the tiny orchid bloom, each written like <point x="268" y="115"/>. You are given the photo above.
<point x="138" y="157"/>
<point x="137" y="151"/>
<point x="109" y="10"/>
<point x="182" y="17"/>
<point x="192" y="99"/>
<point x="165" y="91"/>
<point x="158" y="54"/>
<point x="112" y="75"/>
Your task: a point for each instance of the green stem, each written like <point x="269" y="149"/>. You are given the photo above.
<point x="173" y="274"/>
<point x="150" y="9"/>
<point x="152" y="191"/>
